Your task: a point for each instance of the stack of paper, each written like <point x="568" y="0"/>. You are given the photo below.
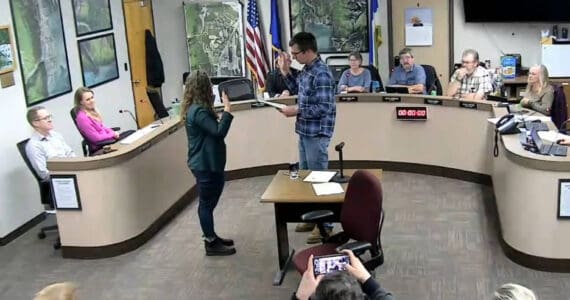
<point x="552" y="136"/>
<point x="320" y="176"/>
<point x="327" y="188"/>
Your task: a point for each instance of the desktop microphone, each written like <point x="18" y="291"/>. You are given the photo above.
<point x="340" y="178"/>
<point x="339" y="147"/>
<point x="131" y="114"/>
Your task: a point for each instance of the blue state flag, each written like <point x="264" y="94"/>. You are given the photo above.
<point x="275" y="28"/>
<point x="375" y="36"/>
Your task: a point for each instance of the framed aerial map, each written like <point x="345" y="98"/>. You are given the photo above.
<point x="340" y="26"/>
<point x="214" y="37"/>
<point x="39" y="35"/>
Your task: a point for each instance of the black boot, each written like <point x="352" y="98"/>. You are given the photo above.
<point x="226" y="242"/>
<point x="217" y="248"/>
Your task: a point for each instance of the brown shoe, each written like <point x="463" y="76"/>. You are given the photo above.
<point x="315" y="237"/>
<point x="304" y="227"/>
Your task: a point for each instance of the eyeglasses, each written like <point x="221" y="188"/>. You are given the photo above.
<point x="405" y="57"/>
<point x="46" y="118"/>
<point x="467" y="62"/>
<point x="296" y="53"/>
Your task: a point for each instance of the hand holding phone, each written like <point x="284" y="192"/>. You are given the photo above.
<point x="330" y="263"/>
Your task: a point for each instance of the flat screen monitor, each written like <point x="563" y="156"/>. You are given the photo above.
<point x="547" y="11"/>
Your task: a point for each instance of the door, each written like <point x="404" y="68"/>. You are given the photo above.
<point x="438" y="53"/>
<point x="138" y="18"/>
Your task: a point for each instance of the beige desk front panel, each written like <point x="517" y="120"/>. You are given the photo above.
<point x="452" y="137"/>
<point x="121" y="201"/>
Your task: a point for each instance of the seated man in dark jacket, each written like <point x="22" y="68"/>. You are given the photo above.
<point x="275" y="84"/>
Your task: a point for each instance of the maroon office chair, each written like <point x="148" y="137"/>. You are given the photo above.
<point x="361" y="218"/>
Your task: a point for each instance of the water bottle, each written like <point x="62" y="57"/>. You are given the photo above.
<point x="375" y="86"/>
<point x="498" y="82"/>
<point x="175" y="108"/>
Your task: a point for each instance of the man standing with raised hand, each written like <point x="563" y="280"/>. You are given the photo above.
<point x="316" y="108"/>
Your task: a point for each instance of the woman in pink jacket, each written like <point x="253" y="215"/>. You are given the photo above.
<point x="89" y="121"/>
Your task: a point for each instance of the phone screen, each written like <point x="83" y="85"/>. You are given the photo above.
<point x="330" y="263"/>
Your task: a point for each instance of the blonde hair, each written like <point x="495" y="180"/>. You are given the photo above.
<point x="77" y="102"/>
<point x="513" y="291"/>
<point x="543" y="80"/>
<point x="58" y="291"/>
<point x="198" y="90"/>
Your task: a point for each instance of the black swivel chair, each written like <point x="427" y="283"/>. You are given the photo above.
<point x="375" y="76"/>
<point x="45" y="193"/>
<point x="432" y="80"/>
<point x="237" y="89"/>
<point x="156" y="101"/>
<point x="85" y="146"/>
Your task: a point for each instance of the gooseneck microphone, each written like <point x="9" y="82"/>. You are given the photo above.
<point x="131" y="114"/>
<point x="340" y="178"/>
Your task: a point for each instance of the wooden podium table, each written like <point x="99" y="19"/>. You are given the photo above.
<point x="293" y="198"/>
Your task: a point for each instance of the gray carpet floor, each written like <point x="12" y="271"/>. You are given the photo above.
<point x="440" y="242"/>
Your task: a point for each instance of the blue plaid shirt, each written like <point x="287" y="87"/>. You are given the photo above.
<point x="314" y="87"/>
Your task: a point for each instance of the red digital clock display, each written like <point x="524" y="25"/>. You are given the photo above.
<point x="411" y="113"/>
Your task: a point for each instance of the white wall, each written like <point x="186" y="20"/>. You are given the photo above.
<point x="170" y="36"/>
<point x="491" y="40"/>
<point x="19" y="195"/>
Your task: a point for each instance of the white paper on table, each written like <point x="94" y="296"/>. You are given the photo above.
<point x="494" y="121"/>
<point x="552" y="136"/>
<point x="320" y="176"/>
<point x="327" y="188"/>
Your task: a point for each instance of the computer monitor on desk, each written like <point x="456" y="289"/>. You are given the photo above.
<point x="397" y="89"/>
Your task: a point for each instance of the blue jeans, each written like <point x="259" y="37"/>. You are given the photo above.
<point x="314" y="155"/>
<point x="313" y="152"/>
<point x="210" y="186"/>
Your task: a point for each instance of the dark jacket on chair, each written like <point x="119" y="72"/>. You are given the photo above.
<point x="206" y="146"/>
<point x="559" y="110"/>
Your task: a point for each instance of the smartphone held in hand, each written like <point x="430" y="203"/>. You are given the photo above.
<point x="330" y="263"/>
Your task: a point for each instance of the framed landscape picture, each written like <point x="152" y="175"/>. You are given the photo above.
<point x="7" y="63"/>
<point x="98" y="60"/>
<point x="41" y="49"/>
<point x="340" y="26"/>
<point x="92" y="16"/>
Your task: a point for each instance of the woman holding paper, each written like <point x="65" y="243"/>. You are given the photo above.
<point x="207" y="153"/>
<point x="539" y="93"/>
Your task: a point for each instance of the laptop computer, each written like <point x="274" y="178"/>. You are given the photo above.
<point x="547" y="148"/>
<point x="396" y="89"/>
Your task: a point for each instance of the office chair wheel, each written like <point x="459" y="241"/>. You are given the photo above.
<point x="57" y="245"/>
<point x="41" y="235"/>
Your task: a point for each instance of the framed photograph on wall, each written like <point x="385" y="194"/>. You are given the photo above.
<point x="92" y="16"/>
<point x="339" y="25"/>
<point x="7" y="62"/>
<point x="98" y="60"/>
<point x="38" y="29"/>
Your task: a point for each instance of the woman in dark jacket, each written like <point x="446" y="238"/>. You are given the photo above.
<point x="207" y="153"/>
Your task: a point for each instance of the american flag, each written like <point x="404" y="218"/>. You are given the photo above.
<point x="255" y="49"/>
